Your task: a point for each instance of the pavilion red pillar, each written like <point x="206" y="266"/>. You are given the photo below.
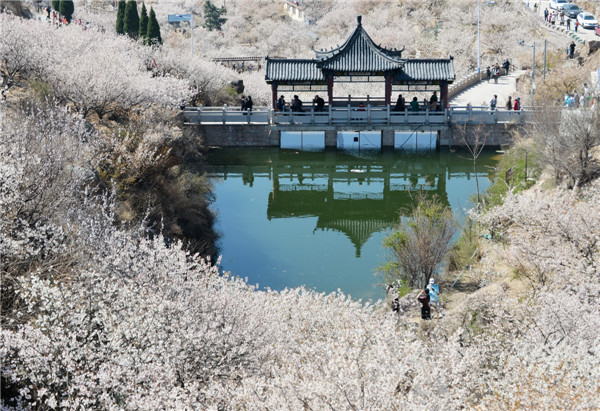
<point x="388" y="89"/>
<point x="444" y="95"/>
<point x="274" y="95"/>
<point x="330" y="89"/>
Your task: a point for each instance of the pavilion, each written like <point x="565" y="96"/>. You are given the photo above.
<point x="360" y="60"/>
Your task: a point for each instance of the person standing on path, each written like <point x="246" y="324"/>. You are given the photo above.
<point x="424" y="299"/>
<point x="494" y="102"/>
<point x="568" y="23"/>
<point x="576" y="25"/>
<point x="400" y="104"/>
<point x="496" y="73"/>
<point x="243" y="103"/>
<point x="414" y="105"/>
<point x="488" y="73"/>
<point x="546" y="14"/>
<point x="281" y="104"/>
<point x="434" y="295"/>
<point x="509" y="103"/>
<point x="572" y="48"/>
<point x="517" y="106"/>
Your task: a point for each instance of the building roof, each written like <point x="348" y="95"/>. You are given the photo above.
<point x="293" y="70"/>
<point x="358" y="54"/>
<point x="427" y="70"/>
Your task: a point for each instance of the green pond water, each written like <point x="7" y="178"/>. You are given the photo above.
<point x="289" y="218"/>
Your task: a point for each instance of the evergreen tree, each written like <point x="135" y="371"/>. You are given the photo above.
<point x="153" y="31"/>
<point x="120" y="16"/>
<point x="131" y="21"/>
<point x="56" y="5"/>
<point x="213" y="19"/>
<point x="66" y="9"/>
<point x="143" y="22"/>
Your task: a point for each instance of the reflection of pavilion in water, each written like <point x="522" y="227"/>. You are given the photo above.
<point x="353" y="195"/>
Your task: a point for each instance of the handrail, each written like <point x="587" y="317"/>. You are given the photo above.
<point x="352" y="115"/>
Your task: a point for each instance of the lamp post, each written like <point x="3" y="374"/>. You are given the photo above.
<point x="479" y="38"/>
<point x="522" y="43"/>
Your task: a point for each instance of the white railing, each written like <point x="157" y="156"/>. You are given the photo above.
<point x="354" y="115"/>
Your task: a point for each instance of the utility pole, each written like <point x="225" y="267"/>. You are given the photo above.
<point x="479" y="38"/>
<point x="544" y="60"/>
<point x="522" y="43"/>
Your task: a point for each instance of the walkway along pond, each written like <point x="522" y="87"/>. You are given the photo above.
<point x="263" y="127"/>
<point x="289" y="218"/>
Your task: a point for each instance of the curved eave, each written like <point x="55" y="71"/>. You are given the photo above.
<point x="427" y="70"/>
<point x="360" y="53"/>
<point x="291" y="70"/>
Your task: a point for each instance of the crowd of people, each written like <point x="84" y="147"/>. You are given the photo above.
<point x="54" y="17"/>
<point x="318" y="104"/>
<point x="559" y="17"/>
<point x="577" y="99"/>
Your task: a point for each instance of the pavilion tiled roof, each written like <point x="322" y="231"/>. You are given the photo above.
<point x="293" y="70"/>
<point x="427" y="70"/>
<point x="358" y="54"/>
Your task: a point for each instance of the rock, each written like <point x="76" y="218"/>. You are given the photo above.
<point x="593" y="45"/>
<point x="238" y="86"/>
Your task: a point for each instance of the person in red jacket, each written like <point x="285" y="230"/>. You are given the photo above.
<point x="517" y="104"/>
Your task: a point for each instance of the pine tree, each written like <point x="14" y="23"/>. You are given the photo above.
<point x="56" y="5"/>
<point x="120" y="16"/>
<point x="143" y="22"/>
<point x="153" y="31"/>
<point x="131" y="21"/>
<point x="66" y="9"/>
<point x="213" y="19"/>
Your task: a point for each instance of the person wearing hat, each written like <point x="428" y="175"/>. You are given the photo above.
<point x="434" y="295"/>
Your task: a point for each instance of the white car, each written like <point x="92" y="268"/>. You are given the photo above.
<point x="587" y="20"/>
<point x="557" y="4"/>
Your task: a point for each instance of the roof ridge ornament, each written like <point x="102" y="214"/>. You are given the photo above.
<point x="359" y="19"/>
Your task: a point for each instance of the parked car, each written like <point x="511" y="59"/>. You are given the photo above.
<point x="557" y="4"/>
<point x="571" y="10"/>
<point x="587" y="20"/>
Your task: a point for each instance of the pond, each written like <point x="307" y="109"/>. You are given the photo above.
<point x="289" y="218"/>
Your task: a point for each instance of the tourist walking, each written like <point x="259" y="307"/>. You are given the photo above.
<point x="249" y="104"/>
<point x="576" y="25"/>
<point x="545" y="14"/>
<point x="433" y="102"/>
<point x="506" y="65"/>
<point x="414" y="105"/>
<point x="424" y="299"/>
<point x="509" y="103"/>
<point x="400" y="104"/>
<point x="517" y="106"/>
<point x="297" y="104"/>
<point x="243" y="103"/>
<point x="496" y="73"/>
<point x="572" y="49"/>
<point x="488" y="73"/>
<point x="319" y="103"/>
<point x="493" y="102"/>
<point x="568" y="23"/>
<point x="434" y="295"/>
<point x="280" y="105"/>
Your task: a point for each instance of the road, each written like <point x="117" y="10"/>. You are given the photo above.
<point x="585" y="34"/>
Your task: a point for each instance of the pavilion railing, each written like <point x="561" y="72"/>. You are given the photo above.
<point x="349" y="115"/>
